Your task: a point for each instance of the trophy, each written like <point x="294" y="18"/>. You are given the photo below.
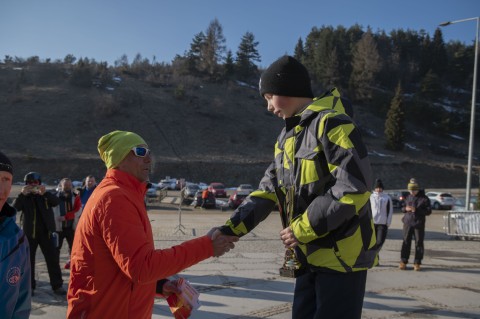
<point x="291" y="266"/>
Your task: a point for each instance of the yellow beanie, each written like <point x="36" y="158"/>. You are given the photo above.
<point x="413" y="185"/>
<point x="114" y="146"/>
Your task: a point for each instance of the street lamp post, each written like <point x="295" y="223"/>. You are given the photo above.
<point x="472" y="116"/>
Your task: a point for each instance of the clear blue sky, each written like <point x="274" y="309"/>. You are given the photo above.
<point x="106" y="29"/>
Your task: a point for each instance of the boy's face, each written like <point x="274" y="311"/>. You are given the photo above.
<point x="281" y="106"/>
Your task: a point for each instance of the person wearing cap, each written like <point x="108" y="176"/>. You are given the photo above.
<point x="36" y="205"/>
<point x="321" y="167"/>
<point x="114" y="264"/>
<point x="415" y="209"/>
<point x="15" y="268"/>
<point x="382" y="212"/>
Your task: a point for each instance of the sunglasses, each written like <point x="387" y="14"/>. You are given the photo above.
<point x="141" y="151"/>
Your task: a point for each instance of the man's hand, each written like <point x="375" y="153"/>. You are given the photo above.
<point x="221" y="243"/>
<point x="288" y="238"/>
<point x="41" y="189"/>
<point x="27" y="189"/>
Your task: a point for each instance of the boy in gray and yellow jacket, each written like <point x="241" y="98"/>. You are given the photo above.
<point x="322" y="169"/>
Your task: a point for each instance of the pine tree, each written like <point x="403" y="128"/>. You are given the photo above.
<point x="431" y="87"/>
<point x="395" y="122"/>
<point x="366" y="65"/>
<point x="332" y="73"/>
<point x="247" y="53"/>
<point x="299" y="52"/>
<point x="229" y="66"/>
<point x="439" y="56"/>
<point x="195" y="55"/>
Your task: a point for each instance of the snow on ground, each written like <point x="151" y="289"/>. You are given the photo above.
<point x="412" y="147"/>
<point x="379" y="154"/>
<point x="456" y="137"/>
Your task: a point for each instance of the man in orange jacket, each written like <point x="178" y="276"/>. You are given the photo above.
<point x="114" y="263"/>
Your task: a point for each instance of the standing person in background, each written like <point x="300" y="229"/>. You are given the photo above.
<point x="39" y="226"/>
<point x="65" y="214"/>
<point x="321" y="174"/>
<point x="114" y="264"/>
<point x="15" y="293"/>
<point x="205" y="195"/>
<point x="382" y="212"/>
<point x="87" y="189"/>
<point x="416" y="208"/>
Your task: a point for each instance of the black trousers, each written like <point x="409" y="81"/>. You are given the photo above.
<point x="381" y="231"/>
<point x="66" y="233"/>
<point x="42" y="239"/>
<point x="320" y="295"/>
<point x="408" y="233"/>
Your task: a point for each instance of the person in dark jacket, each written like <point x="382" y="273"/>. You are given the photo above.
<point x="415" y="208"/>
<point x="36" y="204"/>
<point x="66" y="213"/>
<point x="15" y="292"/>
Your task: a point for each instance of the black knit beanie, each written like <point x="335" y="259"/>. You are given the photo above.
<point x="5" y="164"/>
<point x="378" y="184"/>
<point x="286" y="77"/>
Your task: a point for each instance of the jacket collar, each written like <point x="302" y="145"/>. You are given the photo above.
<point x="126" y="180"/>
<point x="6" y="211"/>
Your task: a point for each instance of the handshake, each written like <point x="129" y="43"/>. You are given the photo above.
<point x="221" y="243"/>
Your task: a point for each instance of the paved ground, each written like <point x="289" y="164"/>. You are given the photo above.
<point x="244" y="283"/>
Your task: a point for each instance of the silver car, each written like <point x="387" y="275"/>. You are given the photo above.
<point x="441" y="200"/>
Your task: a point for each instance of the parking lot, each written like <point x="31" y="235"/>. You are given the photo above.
<point x="244" y="283"/>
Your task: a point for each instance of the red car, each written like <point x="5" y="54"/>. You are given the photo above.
<point x="218" y="189"/>
<point x="237" y="198"/>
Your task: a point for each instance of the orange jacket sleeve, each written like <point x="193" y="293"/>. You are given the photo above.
<point x="127" y="234"/>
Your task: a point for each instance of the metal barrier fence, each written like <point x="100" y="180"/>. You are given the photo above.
<point x="462" y="224"/>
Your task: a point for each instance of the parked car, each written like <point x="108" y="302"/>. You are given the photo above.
<point x="245" y="188"/>
<point x="168" y="184"/>
<point x="152" y="190"/>
<point x="398" y="197"/>
<point x="218" y="189"/>
<point x="202" y="185"/>
<point x="190" y="190"/>
<point x="441" y="200"/>
<point x="210" y="203"/>
<point x="459" y="204"/>
<point x="237" y="198"/>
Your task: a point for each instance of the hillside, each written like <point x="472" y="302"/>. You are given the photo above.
<point x="212" y="132"/>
